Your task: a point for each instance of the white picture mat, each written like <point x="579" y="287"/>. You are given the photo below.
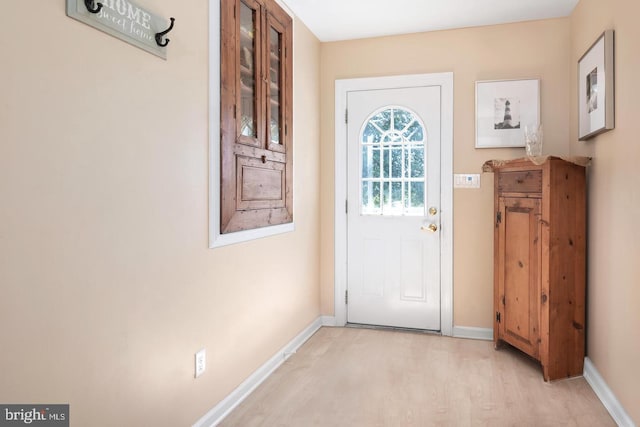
<point x="526" y="91"/>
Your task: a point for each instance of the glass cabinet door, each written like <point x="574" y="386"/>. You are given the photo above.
<point x="275" y="65"/>
<point x="249" y="91"/>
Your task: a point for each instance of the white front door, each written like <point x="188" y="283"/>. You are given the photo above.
<point x="393" y="194"/>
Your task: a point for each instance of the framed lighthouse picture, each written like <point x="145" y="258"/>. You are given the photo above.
<point x="503" y="109"/>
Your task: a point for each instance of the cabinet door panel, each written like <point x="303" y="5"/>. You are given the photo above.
<point x="519" y="233"/>
<point x="259" y="184"/>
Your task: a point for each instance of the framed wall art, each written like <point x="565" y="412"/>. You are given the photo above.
<point x="503" y="109"/>
<point x="596" y="88"/>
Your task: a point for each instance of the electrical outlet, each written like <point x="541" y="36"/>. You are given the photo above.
<point x="201" y="362"/>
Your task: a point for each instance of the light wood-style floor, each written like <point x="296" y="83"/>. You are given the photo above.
<point x="372" y="378"/>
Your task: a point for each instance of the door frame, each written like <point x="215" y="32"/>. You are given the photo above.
<point x="342" y="87"/>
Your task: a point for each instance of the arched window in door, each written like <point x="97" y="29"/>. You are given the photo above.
<point x="392" y="146"/>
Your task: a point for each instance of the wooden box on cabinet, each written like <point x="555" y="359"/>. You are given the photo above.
<point x="539" y="261"/>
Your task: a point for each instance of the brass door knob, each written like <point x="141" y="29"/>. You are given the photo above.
<point x="431" y="227"/>
<point x="433" y="211"/>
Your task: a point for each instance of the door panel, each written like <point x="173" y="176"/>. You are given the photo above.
<point x="412" y="273"/>
<point x="372" y="267"/>
<point x="393" y="268"/>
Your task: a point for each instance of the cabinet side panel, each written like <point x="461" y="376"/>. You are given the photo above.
<point x="498" y="262"/>
<point x="566" y="270"/>
<point x="545" y="237"/>
<point x="228" y="71"/>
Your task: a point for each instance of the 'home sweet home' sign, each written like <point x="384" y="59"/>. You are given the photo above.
<point x="122" y="19"/>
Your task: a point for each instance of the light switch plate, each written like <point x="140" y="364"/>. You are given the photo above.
<point x="466" y="180"/>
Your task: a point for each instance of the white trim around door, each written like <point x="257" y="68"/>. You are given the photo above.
<point x="342" y="87"/>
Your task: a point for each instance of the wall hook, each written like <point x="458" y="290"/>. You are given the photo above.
<point x="162" y="33"/>
<point x="92" y="7"/>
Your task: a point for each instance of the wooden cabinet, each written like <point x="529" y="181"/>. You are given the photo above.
<point x="539" y="262"/>
<point x="256" y="97"/>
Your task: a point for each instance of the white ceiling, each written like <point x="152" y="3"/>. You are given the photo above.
<point x="332" y="20"/>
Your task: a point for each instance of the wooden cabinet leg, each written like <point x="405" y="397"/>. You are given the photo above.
<point x="545" y="373"/>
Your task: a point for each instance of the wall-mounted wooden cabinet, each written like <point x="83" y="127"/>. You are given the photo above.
<point x="256" y="115"/>
<point x="539" y="262"/>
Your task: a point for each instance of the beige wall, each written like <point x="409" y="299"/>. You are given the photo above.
<point x="107" y="284"/>
<point x="108" y="287"/>
<point x="537" y="49"/>
<point x="613" y="341"/>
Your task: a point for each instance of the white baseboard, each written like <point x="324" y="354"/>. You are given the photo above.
<point x="229" y="403"/>
<point x="605" y="395"/>
<point x="473" y="333"/>
<point x="328" y="320"/>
